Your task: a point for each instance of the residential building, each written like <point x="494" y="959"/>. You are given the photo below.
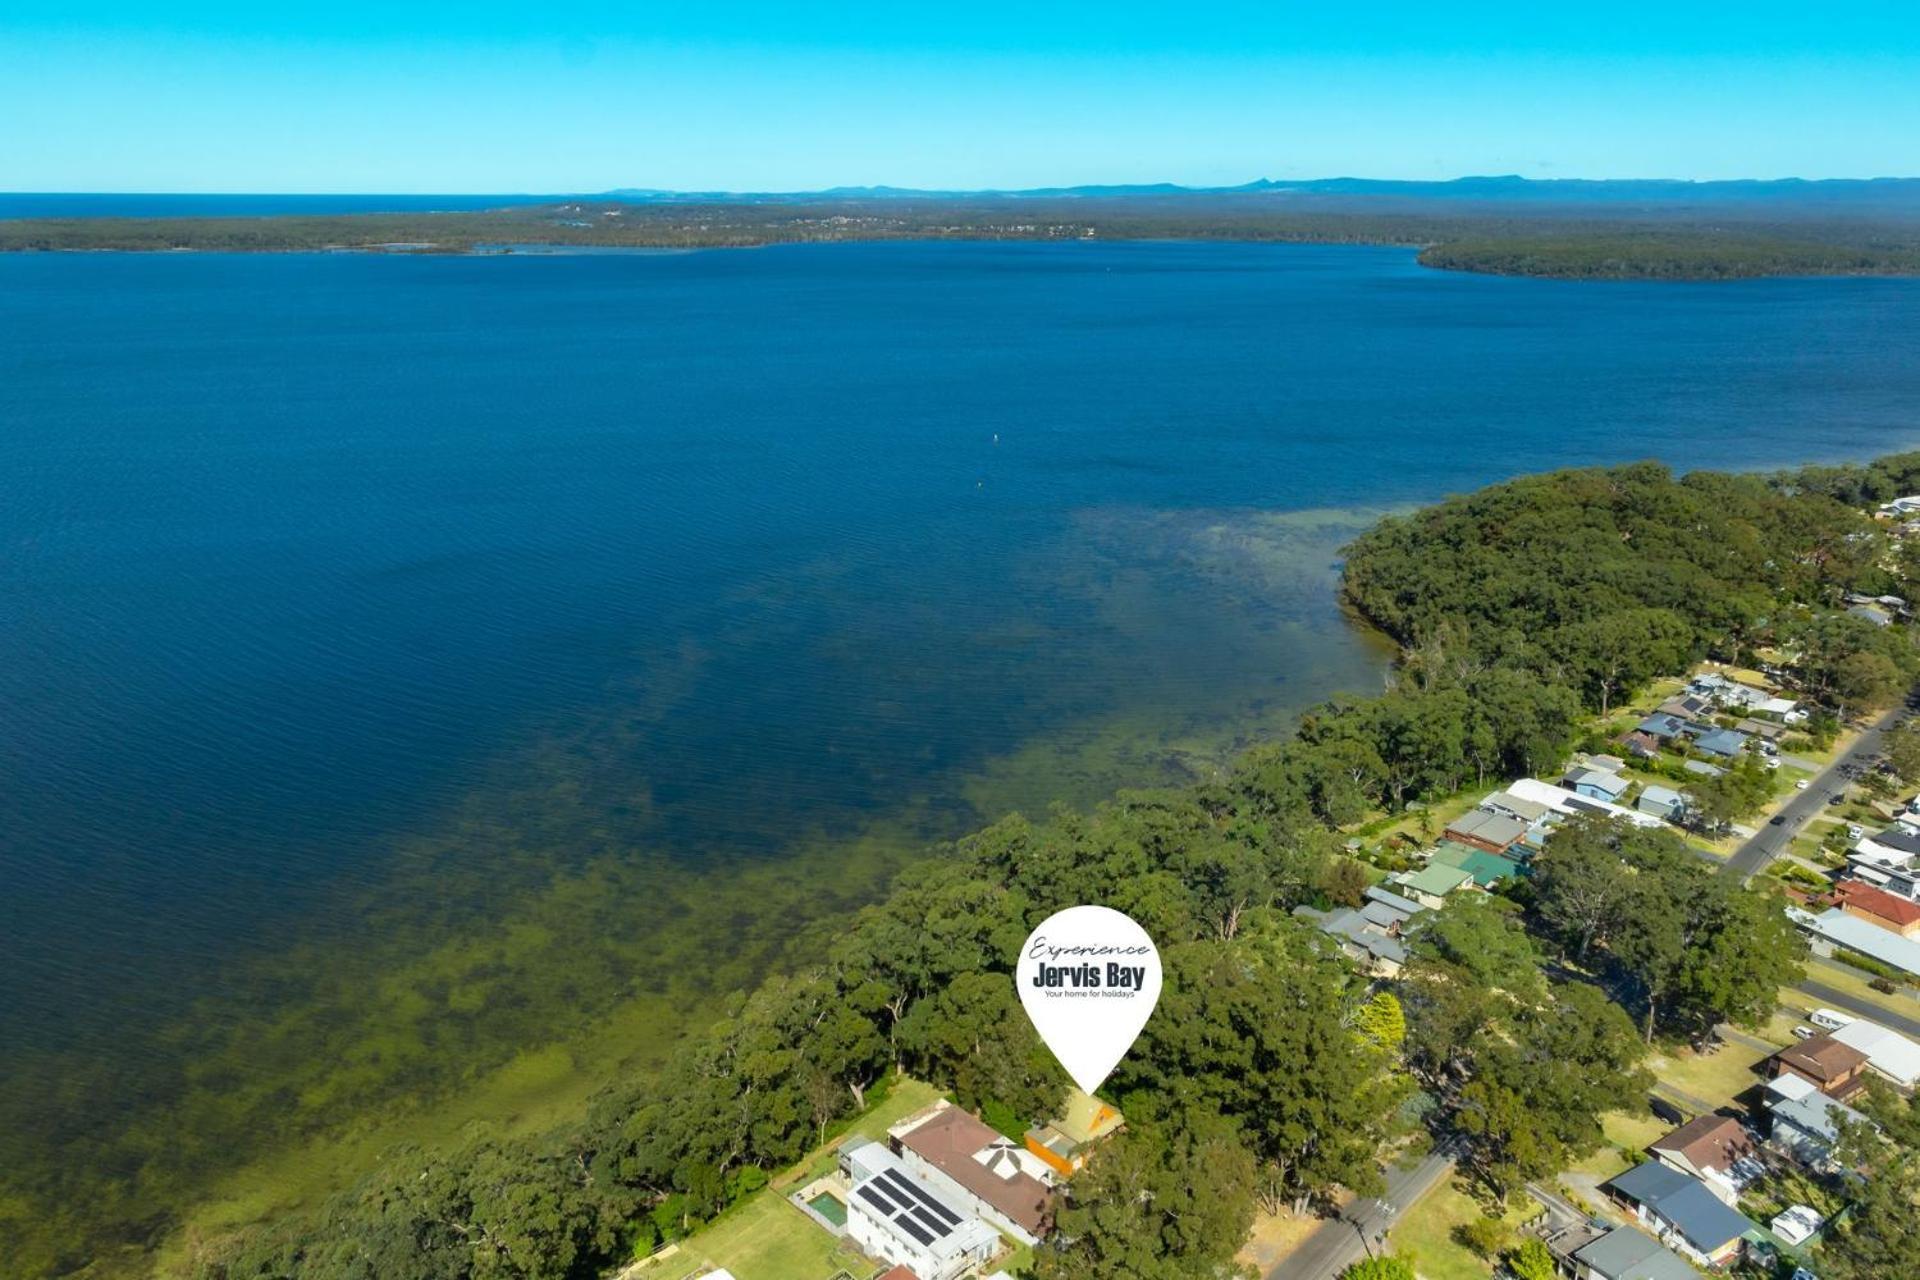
<point x="1406" y="908"/>
<point x="1890" y="1055"/>
<point x="1596" y="784"/>
<point x="1724" y="744"/>
<point x="1430" y="885"/>
<point x="1877" y="907"/>
<point x="1531" y="812"/>
<point x="1486" y="830"/>
<point x="1487" y="869"/>
<point x="1662" y="802"/>
<point x="1702" y="768"/>
<point x="1372" y="945"/>
<point x="1643" y="746"/>
<point x="1626" y="1254"/>
<point x="1889" y="850"/>
<point x="1716" y="1149"/>
<point x="1064" y="1142"/>
<point x="1825" y="1063"/>
<point x="1682" y="1212"/>
<point x="899" y="1218"/>
<point x="1662" y="725"/>
<point x="1835" y="928"/>
<point x="982" y="1171"/>
<point x="1803" y="1122"/>
<point x="1565" y="802"/>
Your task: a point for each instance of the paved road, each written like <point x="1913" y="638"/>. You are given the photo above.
<point x="1835" y="999"/>
<point x="1770" y="841"/>
<point x="1337" y="1243"/>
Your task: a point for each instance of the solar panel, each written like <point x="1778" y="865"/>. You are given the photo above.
<point x="886" y="1195"/>
<point x="913" y="1229"/>
<point x="919" y="1194"/>
<point x="930" y="1222"/>
<point x="868" y="1194"/>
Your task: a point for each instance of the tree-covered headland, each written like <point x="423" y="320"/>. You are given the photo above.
<point x="1662" y="241"/>
<point x="1273" y="1072"/>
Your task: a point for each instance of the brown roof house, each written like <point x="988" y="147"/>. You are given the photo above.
<point x="1876" y="906"/>
<point x="1833" y="1068"/>
<point x="1715" y="1149"/>
<point x="986" y="1172"/>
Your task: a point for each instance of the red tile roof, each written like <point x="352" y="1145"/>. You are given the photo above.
<point x="1878" y="902"/>
<point x="901" y="1272"/>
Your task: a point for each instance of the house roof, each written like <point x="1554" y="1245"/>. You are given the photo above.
<point x="1721" y="742"/>
<point x="1387" y="898"/>
<point x="1702" y="768"/>
<point x="1601" y="779"/>
<point x="1085" y="1118"/>
<point x="1888" y="1052"/>
<point x="1521" y="807"/>
<point x="949" y="1138"/>
<point x="1661" y="725"/>
<point x="1709" y="1142"/>
<point x="1814" y="1113"/>
<point x="1887" y="947"/>
<point x="1486" y="868"/>
<point x="901" y="1272"/>
<point x="1687" y="1203"/>
<point x="1626" y="1254"/>
<point x="1653" y="793"/>
<point x="1897" y="838"/>
<point x="1439" y="880"/>
<point x="1897" y="911"/>
<point x="1494" y="828"/>
<point x="1822" y="1057"/>
<point x="1382" y="916"/>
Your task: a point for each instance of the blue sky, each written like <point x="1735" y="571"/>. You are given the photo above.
<point x="586" y="95"/>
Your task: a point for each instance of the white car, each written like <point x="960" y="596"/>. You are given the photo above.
<point x="1799" y="784"/>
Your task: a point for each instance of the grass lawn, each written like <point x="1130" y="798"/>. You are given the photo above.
<point x="1425" y="1234"/>
<point x="765" y="1238"/>
<point x="1854" y="983"/>
<point x="1713" y="1077"/>
<point x="1625" y="1132"/>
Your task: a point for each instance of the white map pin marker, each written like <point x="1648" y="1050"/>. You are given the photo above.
<point x="1089" y="977"/>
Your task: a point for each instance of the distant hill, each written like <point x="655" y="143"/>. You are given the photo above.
<point x="1878" y="193"/>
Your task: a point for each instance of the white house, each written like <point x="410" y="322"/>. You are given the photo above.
<point x="1889" y="1053"/>
<point x="899" y="1219"/>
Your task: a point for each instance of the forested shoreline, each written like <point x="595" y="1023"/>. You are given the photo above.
<point x="1272" y="1072"/>
<point x="1569" y="242"/>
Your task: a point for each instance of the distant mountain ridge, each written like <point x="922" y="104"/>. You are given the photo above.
<point x="1484" y="187"/>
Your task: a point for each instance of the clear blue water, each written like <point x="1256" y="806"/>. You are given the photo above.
<point x="298" y="554"/>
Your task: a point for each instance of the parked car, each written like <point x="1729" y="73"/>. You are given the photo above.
<point x="1777" y="819"/>
<point x="1804" y="1032"/>
<point x="1835" y="799"/>
<point x="1855" y="831"/>
<point x="1799" y="784"/>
